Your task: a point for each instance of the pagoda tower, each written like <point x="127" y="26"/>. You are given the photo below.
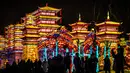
<point x="108" y="31"/>
<point x="2" y="43"/>
<point x="79" y="31"/>
<point x="2" y="51"/>
<point x="107" y="35"/>
<point x="47" y="20"/>
<point x="31" y="35"/>
<point x="9" y="35"/>
<point x="18" y="42"/>
<point x="127" y="51"/>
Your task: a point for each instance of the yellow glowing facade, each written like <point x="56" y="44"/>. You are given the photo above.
<point x="30" y="50"/>
<point x="127" y="51"/>
<point x="25" y="36"/>
<point x="18" y="41"/>
<point x="14" y="41"/>
<point x="2" y="49"/>
<point x="2" y="43"/>
<point x="9" y="35"/>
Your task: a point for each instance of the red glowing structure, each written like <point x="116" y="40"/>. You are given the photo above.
<point x="64" y="39"/>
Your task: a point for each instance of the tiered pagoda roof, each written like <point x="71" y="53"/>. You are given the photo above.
<point x="49" y="8"/>
<point x="53" y="17"/>
<point x="80" y="23"/>
<point x="46" y="8"/>
<point x="108" y="22"/>
<point x="31" y="26"/>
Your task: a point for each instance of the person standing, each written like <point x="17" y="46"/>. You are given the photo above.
<point x="87" y="65"/>
<point x="107" y="64"/>
<point x="67" y="62"/>
<point x="77" y="63"/>
<point x="93" y="63"/>
<point x="119" y="59"/>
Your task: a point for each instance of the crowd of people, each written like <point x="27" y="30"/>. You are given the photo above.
<point x="60" y="64"/>
<point x="56" y="64"/>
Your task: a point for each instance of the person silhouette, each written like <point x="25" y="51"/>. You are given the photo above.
<point x="67" y="62"/>
<point x="93" y="63"/>
<point x="119" y="59"/>
<point x="87" y="65"/>
<point x="107" y="64"/>
<point x="77" y="63"/>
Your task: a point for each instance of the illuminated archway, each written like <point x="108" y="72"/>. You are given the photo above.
<point x="60" y="40"/>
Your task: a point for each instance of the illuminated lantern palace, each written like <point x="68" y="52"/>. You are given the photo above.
<point x="127" y="52"/>
<point x="14" y="47"/>
<point x="40" y="35"/>
<point x="46" y="18"/>
<point x="108" y="31"/>
<point x="79" y="30"/>
<point x="107" y="34"/>
<point x="31" y="36"/>
<point x="2" y="49"/>
<point x="9" y="35"/>
<point x="18" y="42"/>
<point x="58" y="42"/>
<point x="2" y="43"/>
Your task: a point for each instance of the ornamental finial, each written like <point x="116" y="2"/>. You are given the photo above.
<point x="46" y="4"/>
<point x="108" y="16"/>
<point x="79" y="17"/>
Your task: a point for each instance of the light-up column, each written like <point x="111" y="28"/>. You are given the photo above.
<point x="72" y="61"/>
<point x="109" y="52"/>
<point x="91" y="50"/>
<point x="97" y="55"/>
<point x="67" y="50"/>
<point x="56" y="47"/>
<point x="79" y="49"/>
<point x="83" y="51"/>
<point x="53" y="53"/>
<point x="45" y="52"/>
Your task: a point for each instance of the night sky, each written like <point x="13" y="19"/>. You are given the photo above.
<point x="12" y="10"/>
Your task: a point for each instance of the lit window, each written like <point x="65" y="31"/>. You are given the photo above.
<point x="43" y="21"/>
<point x="47" y="13"/>
<point x="52" y="13"/>
<point x="52" y="22"/>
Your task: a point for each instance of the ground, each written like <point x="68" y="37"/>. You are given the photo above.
<point x="114" y="71"/>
